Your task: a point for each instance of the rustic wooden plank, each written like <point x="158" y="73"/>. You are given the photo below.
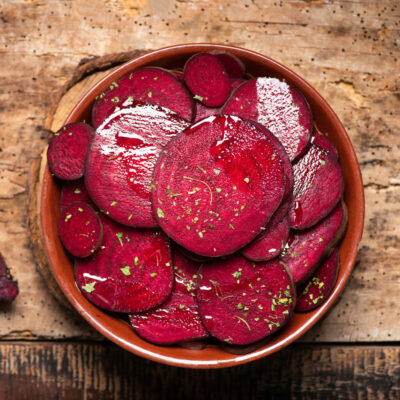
<point x="93" y="371"/>
<point x="348" y="50"/>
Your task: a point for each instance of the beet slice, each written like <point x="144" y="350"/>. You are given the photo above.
<point x="318" y="139"/>
<point x="216" y="185"/>
<point x="305" y="249"/>
<point x="270" y="243"/>
<point x="207" y="79"/>
<point x="130" y="273"/>
<point x="241" y="302"/>
<point x="120" y="161"/>
<point x="8" y="287"/>
<point x="178" y="318"/>
<point x="67" y="150"/>
<point x="278" y="106"/>
<point x="232" y="64"/>
<point x="150" y="85"/>
<point x="74" y="191"/>
<point x="80" y="229"/>
<point x="318" y="186"/>
<point x="314" y="292"/>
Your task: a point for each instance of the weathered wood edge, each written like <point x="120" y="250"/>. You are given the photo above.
<point x="65" y="370"/>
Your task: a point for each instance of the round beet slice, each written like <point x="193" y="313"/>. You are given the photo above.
<point x="314" y="292"/>
<point x="278" y="106"/>
<point x="241" y="302"/>
<point x="216" y="185"/>
<point x="305" y="249"/>
<point x="270" y="243"/>
<point x="151" y="85"/>
<point x="132" y="271"/>
<point x="232" y="64"/>
<point x="80" y="229"/>
<point x="318" y="186"/>
<point x="178" y="318"/>
<point x="67" y="150"/>
<point x="204" y="112"/>
<point x="207" y="79"/>
<point x="121" y="157"/>
<point x="74" y="191"/>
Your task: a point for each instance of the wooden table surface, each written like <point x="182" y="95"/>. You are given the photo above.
<point x="348" y="50"/>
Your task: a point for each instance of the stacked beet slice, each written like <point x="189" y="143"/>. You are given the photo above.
<point x="201" y="203"/>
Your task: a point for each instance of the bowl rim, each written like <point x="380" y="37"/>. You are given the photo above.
<point x="96" y="316"/>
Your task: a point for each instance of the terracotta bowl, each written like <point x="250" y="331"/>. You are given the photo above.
<point x="212" y="356"/>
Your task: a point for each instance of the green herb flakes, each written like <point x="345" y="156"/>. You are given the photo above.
<point x="153" y="274"/>
<point x="119" y="236"/>
<point x="126" y="270"/>
<point x="160" y="213"/>
<point x="197" y="97"/>
<point x="77" y="191"/>
<point x="89" y="287"/>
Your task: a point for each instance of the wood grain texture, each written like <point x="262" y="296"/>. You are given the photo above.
<point x="93" y="371"/>
<point x="348" y="50"/>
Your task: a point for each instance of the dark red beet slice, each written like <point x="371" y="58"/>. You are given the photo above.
<point x="150" y="85"/>
<point x="178" y="318"/>
<point x="318" y="186"/>
<point x="74" y="191"/>
<point x="132" y="271"/>
<point x="307" y="248"/>
<point x="67" y="150"/>
<point x="324" y="143"/>
<point x="279" y="107"/>
<point x="314" y="292"/>
<point x="216" y="185"/>
<point x="207" y="79"/>
<point x="232" y="64"/>
<point x="120" y="161"/>
<point x="80" y="229"/>
<point x="270" y="243"/>
<point x="241" y="302"/>
<point x="8" y="287"/>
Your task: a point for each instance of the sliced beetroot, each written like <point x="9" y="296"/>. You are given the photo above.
<point x="74" y="191"/>
<point x="120" y="162"/>
<point x="241" y="302"/>
<point x="279" y="107"/>
<point x="305" y="249"/>
<point x="150" y="85"/>
<point x="270" y="243"/>
<point x="80" y="229"/>
<point x="216" y="185"/>
<point x="207" y="79"/>
<point x="67" y="150"/>
<point x="131" y="272"/>
<point x="232" y="64"/>
<point x="317" y="289"/>
<point x="318" y="139"/>
<point x="8" y="287"/>
<point x="318" y="186"/>
<point x="178" y="318"/>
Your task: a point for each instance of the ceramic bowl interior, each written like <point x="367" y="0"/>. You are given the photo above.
<point x="119" y="331"/>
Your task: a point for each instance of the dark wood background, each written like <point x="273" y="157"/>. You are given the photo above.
<point x="348" y="50"/>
